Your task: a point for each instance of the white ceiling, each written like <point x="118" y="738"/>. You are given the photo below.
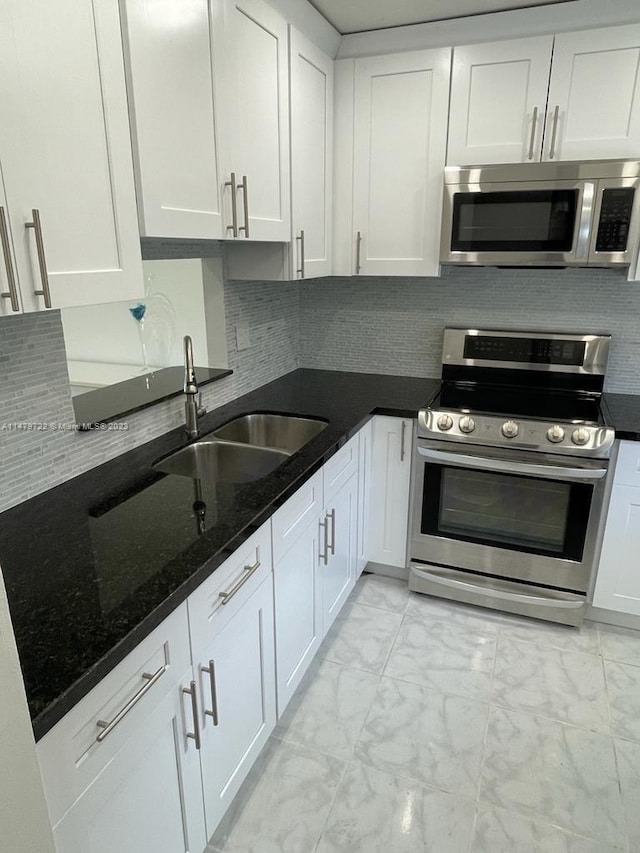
<point x="354" y="16"/>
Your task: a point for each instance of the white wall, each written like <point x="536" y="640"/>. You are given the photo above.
<point x="24" y="821"/>
<point x="563" y="17"/>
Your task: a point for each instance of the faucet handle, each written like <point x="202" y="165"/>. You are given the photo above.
<point x="200" y="409"/>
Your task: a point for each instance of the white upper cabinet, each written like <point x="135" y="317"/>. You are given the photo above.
<point x="572" y="97"/>
<point x="311" y="73"/>
<point x="400" y="133"/>
<point x="255" y="88"/>
<point x="10" y="296"/>
<point x="65" y="152"/>
<point x="498" y="101"/>
<point x="170" y="56"/>
<point x="209" y="106"/>
<point x="594" y="95"/>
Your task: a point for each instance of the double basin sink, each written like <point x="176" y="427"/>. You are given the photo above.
<point x="243" y="450"/>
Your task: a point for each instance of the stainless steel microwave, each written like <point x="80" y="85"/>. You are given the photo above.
<point x="542" y="214"/>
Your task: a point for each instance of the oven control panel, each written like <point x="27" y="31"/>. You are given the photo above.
<point x="495" y="431"/>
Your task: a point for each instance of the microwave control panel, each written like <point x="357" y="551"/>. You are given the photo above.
<point x="615" y="216"/>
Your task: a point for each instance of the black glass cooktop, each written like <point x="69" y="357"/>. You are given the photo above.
<point x="537" y="404"/>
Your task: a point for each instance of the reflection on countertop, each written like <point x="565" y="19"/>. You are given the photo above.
<point x="94" y="565"/>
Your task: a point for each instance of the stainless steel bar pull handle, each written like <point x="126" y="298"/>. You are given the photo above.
<point x="324" y="525"/>
<point x="552" y="150"/>
<point x="402" y="435"/>
<point x="300" y="270"/>
<point x="244" y="577"/>
<point x="195" y="734"/>
<point x="234" y="204"/>
<point x="534" y="121"/>
<point x="332" y="516"/>
<point x="108" y="726"/>
<point x="358" y="247"/>
<point x="12" y="293"/>
<point x="42" y="261"/>
<point x="507" y="466"/>
<point x="244" y="186"/>
<point x="213" y="713"/>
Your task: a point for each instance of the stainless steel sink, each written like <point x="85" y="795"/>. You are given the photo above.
<point x="281" y="432"/>
<point x="223" y="461"/>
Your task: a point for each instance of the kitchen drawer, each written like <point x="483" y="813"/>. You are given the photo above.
<point x="340" y="468"/>
<point x="627" y="471"/>
<point x="70" y="755"/>
<point x="293" y="518"/>
<point x="210" y="606"/>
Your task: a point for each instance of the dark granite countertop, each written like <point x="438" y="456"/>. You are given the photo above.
<point x="624" y="413"/>
<point x="133" y="395"/>
<point x="94" y="565"/>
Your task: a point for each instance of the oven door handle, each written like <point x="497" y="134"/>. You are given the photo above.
<point x="507" y="466"/>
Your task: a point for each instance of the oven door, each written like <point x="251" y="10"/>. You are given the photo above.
<point x="523" y="223"/>
<point x="521" y="515"/>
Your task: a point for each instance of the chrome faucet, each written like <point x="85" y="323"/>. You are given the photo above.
<point x="192" y="408"/>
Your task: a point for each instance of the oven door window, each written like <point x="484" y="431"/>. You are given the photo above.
<point x="514" y="221"/>
<point x="519" y="513"/>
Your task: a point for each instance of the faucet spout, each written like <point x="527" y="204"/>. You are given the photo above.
<point x="191" y="408"/>
<point x="190" y="383"/>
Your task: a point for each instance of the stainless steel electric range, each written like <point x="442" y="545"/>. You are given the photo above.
<point x="511" y="463"/>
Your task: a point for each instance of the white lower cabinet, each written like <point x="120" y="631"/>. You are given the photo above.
<point x="298" y="605"/>
<point x="314" y="564"/>
<point x="618" y="581"/>
<point x="364" y="495"/>
<point x="389" y="495"/>
<point x="338" y="562"/>
<point x="151" y="758"/>
<point x="149" y="798"/>
<point x="236" y="678"/>
<point x="132" y="785"/>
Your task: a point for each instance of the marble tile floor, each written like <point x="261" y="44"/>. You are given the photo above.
<point x="425" y="726"/>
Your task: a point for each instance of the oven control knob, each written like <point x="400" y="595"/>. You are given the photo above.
<point x="445" y="422"/>
<point x="580" y="436"/>
<point x="510" y="429"/>
<point x="467" y="424"/>
<point x="555" y="434"/>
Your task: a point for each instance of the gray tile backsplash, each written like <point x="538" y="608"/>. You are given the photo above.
<point x="394" y="325"/>
<point x="383" y="325"/>
<point x="35" y="389"/>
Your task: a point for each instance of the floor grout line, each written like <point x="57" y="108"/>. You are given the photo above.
<point x="494" y="632"/>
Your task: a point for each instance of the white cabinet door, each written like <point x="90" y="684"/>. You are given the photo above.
<point x="66" y="152"/>
<point x="236" y="676"/>
<point x="298" y="610"/>
<point x="594" y="95"/>
<point x="390" y="478"/>
<point x="498" y="101"/>
<point x="149" y="798"/>
<point x="311" y="156"/>
<point x="364" y="496"/>
<point x="256" y="119"/>
<point x="338" y="560"/>
<point x="618" y="580"/>
<point x="10" y="295"/>
<point x="400" y="137"/>
<point x="170" y="59"/>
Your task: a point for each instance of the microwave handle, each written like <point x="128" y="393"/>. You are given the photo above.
<point x="505" y="466"/>
<point x="584" y="224"/>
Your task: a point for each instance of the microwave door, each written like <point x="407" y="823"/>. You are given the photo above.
<point x="616" y="231"/>
<point x="519" y="224"/>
